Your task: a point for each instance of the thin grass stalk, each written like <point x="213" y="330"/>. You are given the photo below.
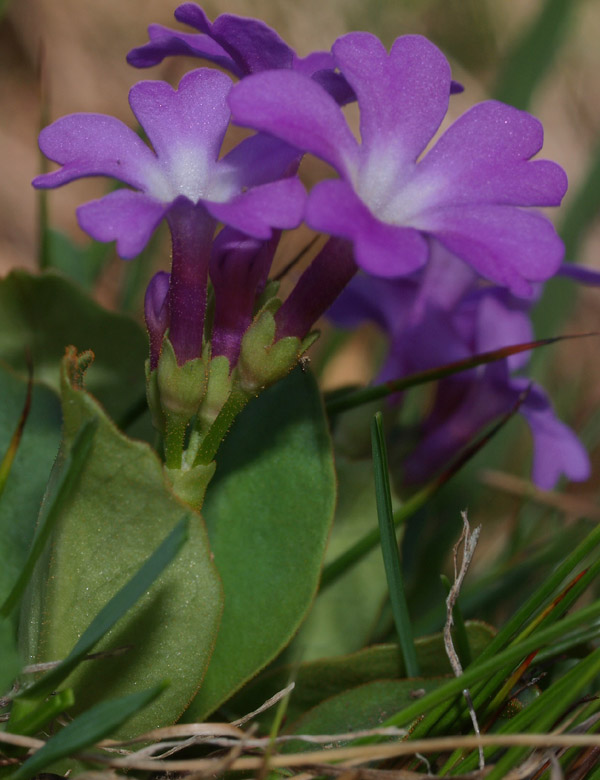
<point x="389" y="549"/>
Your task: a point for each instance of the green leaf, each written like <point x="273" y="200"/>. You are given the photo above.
<point x="344" y="615"/>
<point x="11" y="663"/>
<point x="364" y="707"/>
<point x="87" y="729"/>
<point x="107" y="531"/>
<point x="114" y="610"/>
<point x="25" y="486"/>
<point x="319" y="680"/>
<point x="83" y="264"/>
<point x="268" y="511"/>
<point x="47" y="313"/>
<point x="534" y="53"/>
<point x="66" y="482"/>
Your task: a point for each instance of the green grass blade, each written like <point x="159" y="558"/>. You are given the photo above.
<point x="86" y="730"/>
<point x="29" y="717"/>
<point x="582" y="210"/>
<point x="67" y="481"/>
<point x="533" y="54"/>
<point x="481" y="671"/>
<point x="113" y="611"/>
<point x="542" y="594"/>
<point x="349" y="400"/>
<point x="9" y="456"/>
<point x="370" y="540"/>
<point x="543" y="712"/>
<point x="389" y="549"/>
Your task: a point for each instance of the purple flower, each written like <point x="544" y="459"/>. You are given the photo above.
<point x="181" y="179"/>
<point x="441" y="314"/>
<point x="238" y="44"/>
<point x="467" y="191"/>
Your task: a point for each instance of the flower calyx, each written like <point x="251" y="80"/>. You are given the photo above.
<point x="264" y="359"/>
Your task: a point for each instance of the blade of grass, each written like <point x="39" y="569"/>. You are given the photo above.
<point x="370" y="540"/>
<point x="582" y="210"/>
<point x="480" y="671"/>
<point x="87" y="729"/>
<point x="339" y="404"/>
<point x="443" y="721"/>
<point x="543" y="712"/>
<point x="120" y="603"/>
<point x="533" y="54"/>
<point x="29" y="717"/>
<point x="67" y="481"/>
<point x="9" y="456"/>
<point x="389" y="548"/>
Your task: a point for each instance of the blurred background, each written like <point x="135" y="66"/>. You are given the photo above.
<point x="540" y="55"/>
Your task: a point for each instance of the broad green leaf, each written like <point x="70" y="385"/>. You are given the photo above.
<point x="26" y="483"/>
<point x="344" y="615"/>
<point x="47" y="313"/>
<point x="122" y="509"/>
<point x="87" y="730"/>
<point x="10" y="665"/>
<point x="83" y="264"/>
<point x="64" y="480"/>
<point x="114" y="610"/>
<point x="364" y="707"/>
<point x="268" y="512"/>
<point x="319" y="680"/>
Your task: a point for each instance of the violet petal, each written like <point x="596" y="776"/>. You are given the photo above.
<point x="124" y="216"/>
<point x="185" y="126"/>
<point x="484" y="157"/>
<point x="504" y="244"/>
<point x="165" y="42"/>
<point x="278" y="204"/>
<point x="297" y="110"/>
<point x="95" y="145"/>
<point x="403" y="96"/>
<point x="379" y="248"/>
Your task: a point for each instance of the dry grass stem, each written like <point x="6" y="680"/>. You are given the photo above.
<point x="572" y="507"/>
<point x="468" y="540"/>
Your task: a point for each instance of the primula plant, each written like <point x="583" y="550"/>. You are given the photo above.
<point x="195" y="533"/>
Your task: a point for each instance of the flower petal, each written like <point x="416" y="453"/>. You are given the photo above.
<point x="191" y="120"/>
<point x="580" y="273"/>
<point x="484" y="157"/>
<point x="95" y="145"/>
<point x="403" y="97"/>
<point x="257" y="160"/>
<point x="279" y="204"/>
<point x="165" y="42"/>
<point x="556" y="448"/>
<point x="499" y="326"/>
<point x="297" y="110"/>
<point x="505" y="244"/>
<point x="124" y="216"/>
<point x="379" y="248"/>
<point x="252" y="44"/>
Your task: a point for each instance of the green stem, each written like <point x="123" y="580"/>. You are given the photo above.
<point x="219" y="429"/>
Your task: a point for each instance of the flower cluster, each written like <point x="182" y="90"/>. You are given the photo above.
<point x="444" y="314"/>
<point x="422" y="226"/>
